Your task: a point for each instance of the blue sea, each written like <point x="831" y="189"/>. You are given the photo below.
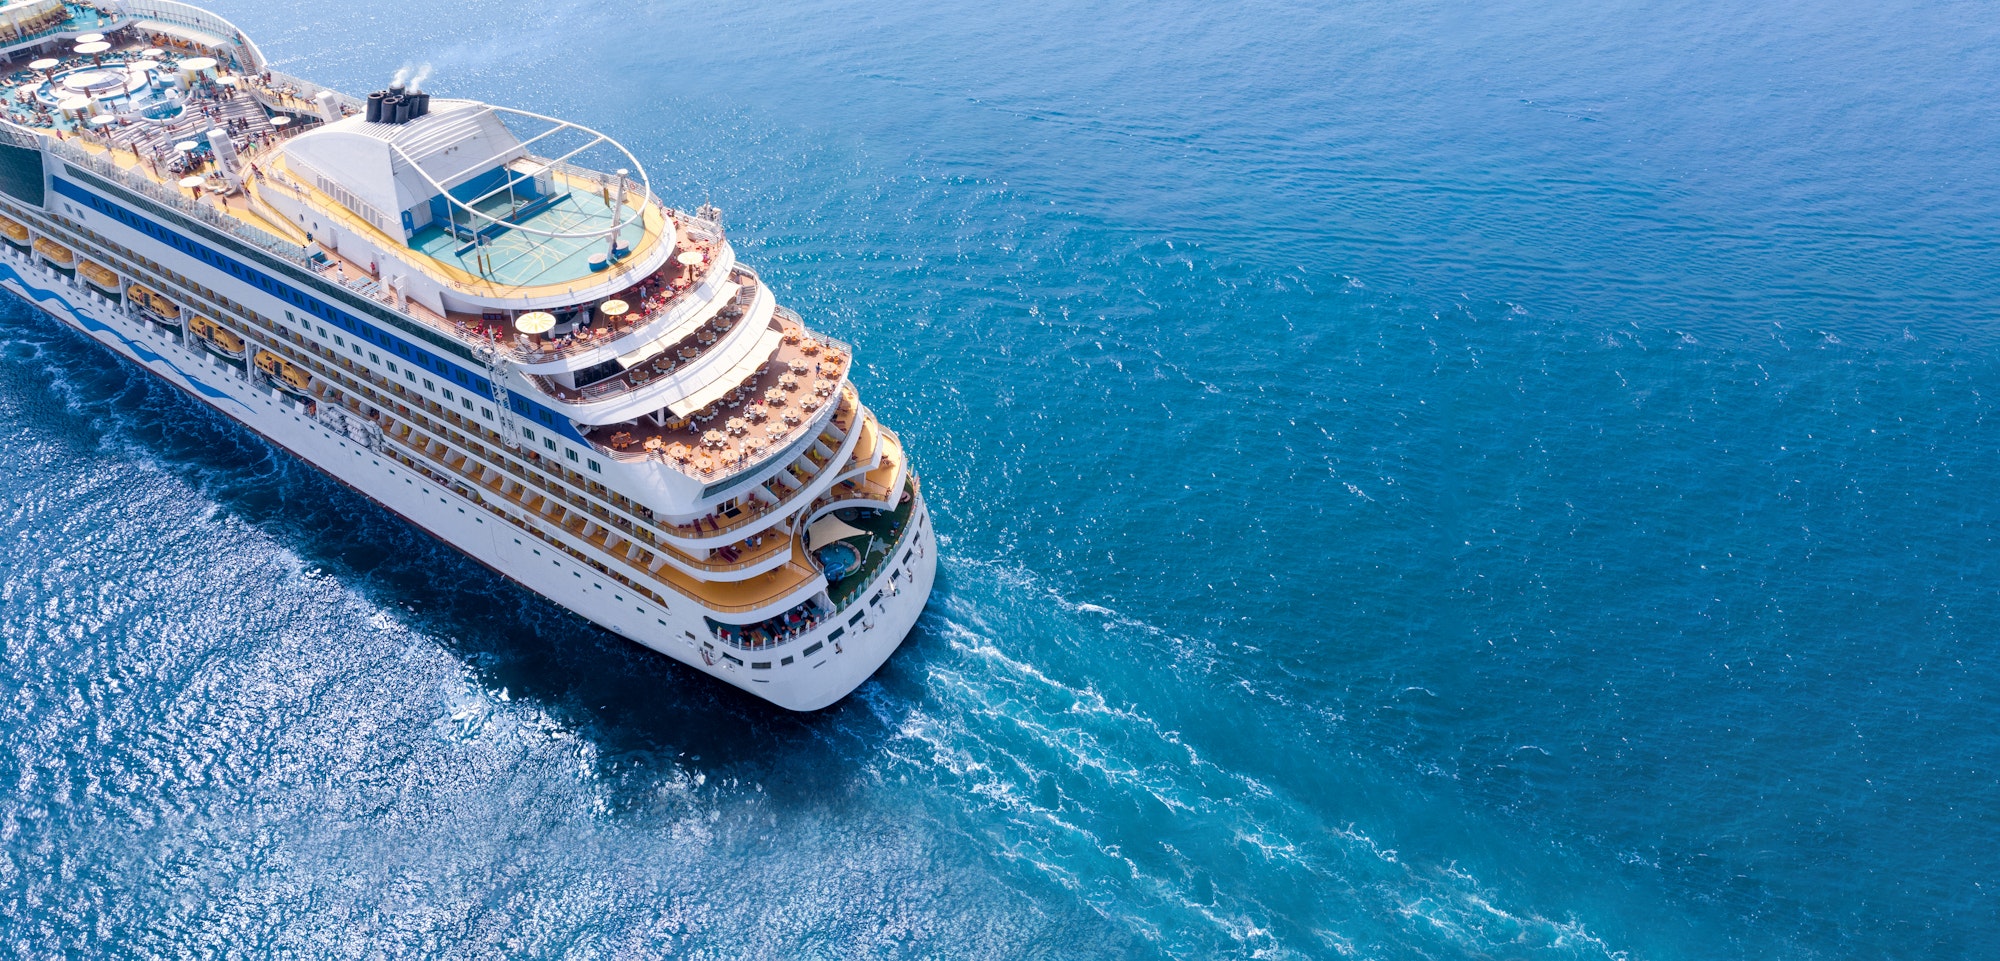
<point x="1416" y="480"/>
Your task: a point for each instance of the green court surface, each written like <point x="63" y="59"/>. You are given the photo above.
<point x="516" y="258"/>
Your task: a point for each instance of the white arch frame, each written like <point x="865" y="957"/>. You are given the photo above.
<point x="645" y="182"/>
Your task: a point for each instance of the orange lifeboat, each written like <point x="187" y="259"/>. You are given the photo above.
<point x="98" y="276"/>
<point x="55" y="253"/>
<point x="283" y="374"/>
<point x="158" y="309"/>
<point x="218" y="339"/>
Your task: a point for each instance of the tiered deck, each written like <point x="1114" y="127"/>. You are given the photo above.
<point x="764" y="413"/>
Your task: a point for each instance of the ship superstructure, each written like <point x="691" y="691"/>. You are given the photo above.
<point x="481" y="318"/>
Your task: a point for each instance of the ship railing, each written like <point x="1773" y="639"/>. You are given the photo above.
<point x="141" y="184"/>
<point x="305" y="91"/>
<point x="687" y="303"/>
<point x="167" y="11"/>
<point x="66" y="26"/>
<point x="786" y="446"/>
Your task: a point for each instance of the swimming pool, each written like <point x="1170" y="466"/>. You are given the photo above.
<point x="838" y="559"/>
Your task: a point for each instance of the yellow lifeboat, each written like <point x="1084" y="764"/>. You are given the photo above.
<point x="56" y="253"/>
<point x="98" y="276"/>
<point x="217" y="338"/>
<point x="158" y="308"/>
<point x="283" y="373"/>
<point x="14" y="230"/>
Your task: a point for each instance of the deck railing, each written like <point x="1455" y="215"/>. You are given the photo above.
<point x="167" y="11"/>
<point x="172" y="197"/>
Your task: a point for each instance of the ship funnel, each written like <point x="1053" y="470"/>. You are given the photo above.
<point x="375" y="107"/>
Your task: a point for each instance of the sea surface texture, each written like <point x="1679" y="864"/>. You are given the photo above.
<point x="1417" y="480"/>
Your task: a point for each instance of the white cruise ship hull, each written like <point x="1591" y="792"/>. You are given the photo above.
<point x="844" y="652"/>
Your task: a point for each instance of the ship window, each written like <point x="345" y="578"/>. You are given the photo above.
<point x="288" y="316"/>
<point x="836" y="633"/>
<point x="486" y="412"/>
<point x="448" y="395"/>
<point x="594" y="466"/>
<point x="338" y="342"/>
<point x="410" y="375"/>
<point x="814" y="649"/>
<point x="760" y="665"/>
<point x="787" y="660"/>
<point x="550" y="444"/>
<point x="733" y="659"/>
<point x="392" y="367"/>
<point x="374" y="358"/>
<point x="570" y="454"/>
<point x="322" y="331"/>
<point x="527" y="433"/>
<point x="467" y="402"/>
<point x="856" y="619"/>
<point x="428" y="385"/>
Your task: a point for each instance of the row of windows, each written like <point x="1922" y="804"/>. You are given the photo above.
<point x="313" y="305"/>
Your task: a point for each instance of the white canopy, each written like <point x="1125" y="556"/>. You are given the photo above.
<point x="767" y="344"/>
<point x="673" y="336"/>
<point x="828" y="529"/>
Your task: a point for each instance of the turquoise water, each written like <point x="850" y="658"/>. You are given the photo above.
<point x="1495" y="480"/>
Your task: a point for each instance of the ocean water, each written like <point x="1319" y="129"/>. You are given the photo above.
<point x="1418" y="480"/>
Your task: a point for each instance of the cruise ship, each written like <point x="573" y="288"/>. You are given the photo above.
<point x="481" y="318"/>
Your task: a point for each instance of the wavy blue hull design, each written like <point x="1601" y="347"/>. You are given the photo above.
<point x="42" y="297"/>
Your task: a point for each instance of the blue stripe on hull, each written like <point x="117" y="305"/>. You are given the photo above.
<point x="42" y="295"/>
